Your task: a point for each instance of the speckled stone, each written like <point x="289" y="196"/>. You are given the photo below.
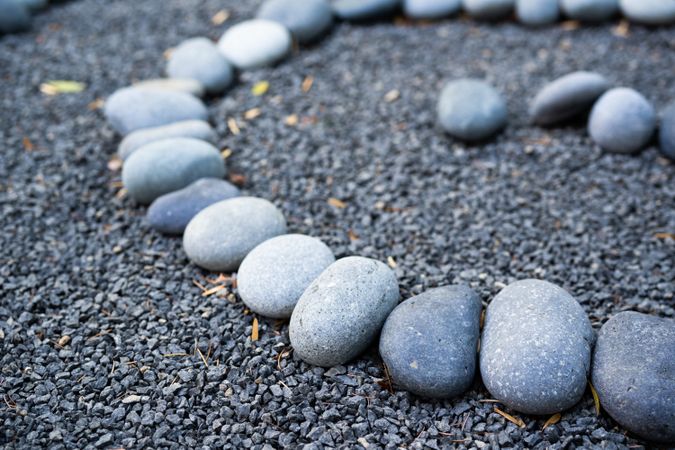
<point x="537" y="12"/>
<point x="307" y="20"/>
<point x="590" y="10"/>
<point x="14" y="16"/>
<point x="431" y="9"/>
<point x="667" y="132"/>
<point x="634" y="374"/>
<point x="255" y="43"/>
<point x="199" y="59"/>
<point x="622" y="121"/>
<point x="274" y="275"/>
<point x="489" y="9"/>
<point x="358" y="10"/>
<point x="649" y="12"/>
<point x="197" y="129"/>
<point x="184" y="85"/>
<point x="342" y="311"/>
<point x="567" y="97"/>
<point x="221" y="235"/>
<point x="171" y="212"/>
<point x="429" y="342"/>
<point x="536" y="348"/>
<point x="168" y="165"/>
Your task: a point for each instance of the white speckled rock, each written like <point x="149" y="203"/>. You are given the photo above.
<point x="536" y="348"/>
<point x="221" y="235"/>
<point x="199" y="59"/>
<point x="488" y="9"/>
<point x="342" y="311"/>
<point x="537" y="13"/>
<point x="649" y="12"/>
<point x="255" y="43"/>
<point x="185" y="85"/>
<point x="197" y="129"/>
<point x="307" y="20"/>
<point x="590" y="10"/>
<point x="274" y="275"/>
<point x="431" y="9"/>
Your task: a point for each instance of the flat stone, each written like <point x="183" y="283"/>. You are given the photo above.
<point x="200" y="59"/>
<point x="622" y="121"/>
<point x="536" y="348"/>
<point x="358" y="10"/>
<point x="634" y="374"/>
<point x="489" y="9"/>
<point x="537" y="12"/>
<point x="14" y="16"/>
<point x="590" y="10"/>
<point x="171" y="212"/>
<point x="130" y="109"/>
<point x="667" y="132"/>
<point x="471" y="109"/>
<point x="567" y="96"/>
<point x="649" y="12"/>
<point x="274" y="275"/>
<point x="169" y="165"/>
<point x="220" y="236"/>
<point x="342" y="311"/>
<point x="197" y="129"/>
<point x="184" y="85"/>
<point x="431" y="9"/>
<point x="255" y="43"/>
<point x="429" y="342"/>
<point x="307" y="20"/>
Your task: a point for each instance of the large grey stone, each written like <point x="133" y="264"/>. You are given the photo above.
<point x="649" y="12"/>
<point x="342" y="311"/>
<point x="358" y="10"/>
<point x="220" y="236"/>
<point x="274" y="275"/>
<point x="536" y="348"/>
<point x="489" y="9"/>
<point x="537" y="12"/>
<point x="667" y="132"/>
<point x="255" y="43"/>
<point x="34" y="5"/>
<point x="590" y="10"/>
<point x="431" y="9"/>
<point x="184" y="85"/>
<point x="197" y="129"/>
<point x="14" y="16"/>
<point x="634" y="374"/>
<point x="429" y="342"/>
<point x="199" y="59"/>
<point x="307" y="20"/>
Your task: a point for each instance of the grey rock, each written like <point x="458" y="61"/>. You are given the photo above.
<point x="431" y="9"/>
<point x="274" y="275"/>
<point x="171" y="212"/>
<point x="221" y="235"/>
<point x="536" y="348"/>
<point x="342" y="311"/>
<point x="429" y="342"/>
<point x="197" y="129"/>
<point x="14" y="16"/>
<point x="567" y="97"/>
<point x="667" y="132"/>
<point x="255" y="43"/>
<point x="590" y="10"/>
<point x="168" y="165"/>
<point x="649" y="12"/>
<point x="358" y="10"/>
<point x="34" y="5"/>
<point x="199" y="59"/>
<point x="489" y="9"/>
<point x="307" y="20"/>
<point x="130" y="109"/>
<point x="537" y="12"/>
<point x="184" y="85"/>
<point x="471" y="109"/>
<point x="622" y="121"/>
<point x="634" y="374"/>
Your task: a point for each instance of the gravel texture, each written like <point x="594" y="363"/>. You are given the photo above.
<point x="100" y="318"/>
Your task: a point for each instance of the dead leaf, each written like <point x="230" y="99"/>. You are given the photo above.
<point x="96" y="104"/>
<point x="391" y="262"/>
<point x="352" y="236"/>
<point x="596" y="399"/>
<point x="664" y="236"/>
<point x="252" y="113"/>
<point x="392" y="96"/>
<point x="516" y="420"/>
<point x="622" y="29"/>
<point x="55" y="87"/>
<point x="167" y="53"/>
<point x="336" y="203"/>
<point x="260" y="88"/>
<point x="115" y="164"/>
<point x="254" y="330"/>
<point x="307" y="83"/>
<point x="237" y="179"/>
<point x="232" y="125"/>
<point x="291" y="120"/>
<point x="213" y="290"/>
<point x="555" y="418"/>
<point x="570" y="25"/>
<point x="220" y="17"/>
<point x="63" y="340"/>
<point x="226" y="153"/>
<point x="27" y="144"/>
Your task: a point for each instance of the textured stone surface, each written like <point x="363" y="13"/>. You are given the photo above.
<point x="14" y="16"/>
<point x="537" y="12"/>
<point x="535" y="348"/>
<point x="307" y="20"/>
<point x="634" y="374"/>
<point x="356" y="10"/>
<point x="590" y="10"/>
<point x="431" y="9"/>
<point x="197" y="129"/>
<point x="488" y="9"/>
<point x="650" y="12"/>
<point x="342" y="311"/>
<point x="667" y="132"/>
<point x="184" y="85"/>
<point x="255" y="43"/>
<point x="429" y="342"/>
<point x="199" y="59"/>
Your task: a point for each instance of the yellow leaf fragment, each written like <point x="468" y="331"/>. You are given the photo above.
<point x="336" y="203"/>
<point x="664" y="236"/>
<point x="254" y="330"/>
<point x="226" y="153"/>
<point x="392" y="96"/>
<point x="115" y="164"/>
<point x="220" y="17"/>
<point x="596" y="399"/>
<point x="622" y="29"/>
<point x="55" y="87"/>
<point x="213" y="290"/>
<point x="291" y="120"/>
<point x="96" y="104"/>
<point x="232" y="125"/>
<point x="555" y="418"/>
<point x="260" y="88"/>
<point x="516" y="420"/>
<point x="252" y="113"/>
<point x="570" y="25"/>
<point x="64" y="340"/>
<point x="307" y="83"/>
<point x="391" y="262"/>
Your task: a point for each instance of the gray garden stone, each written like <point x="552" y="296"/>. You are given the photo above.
<point x="185" y="85"/>
<point x="14" y="16"/>
<point x="537" y="12"/>
<point x="431" y="9"/>
<point x="197" y="129"/>
<point x="358" y="10"/>
<point x="34" y="5"/>
<point x="342" y="311"/>
<point x="649" y="12"/>
<point x="199" y="59"/>
<point x="667" y="132"/>
<point x="590" y="10"/>
<point x="489" y="9"/>
<point x="255" y="43"/>
<point x="307" y="20"/>
<point x="536" y="348"/>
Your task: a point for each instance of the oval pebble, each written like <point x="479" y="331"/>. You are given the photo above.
<point x="185" y="85"/>
<point x="429" y="342"/>
<point x="255" y="43"/>
<point x="471" y="109"/>
<point x="307" y="20"/>
<point x="431" y="9"/>
<point x="171" y="212"/>
<point x="537" y="12"/>
<point x="199" y="59"/>
<point x="488" y="9"/>
<point x="567" y="97"/>
<point x="342" y="311"/>
<point x="168" y="165"/>
<point x="649" y="12"/>
<point x="634" y="374"/>
<point x="197" y="129"/>
<point x="274" y="275"/>
<point x="535" y="348"/>
<point x="357" y="10"/>
<point x="221" y="235"/>
<point x="667" y="132"/>
<point x="622" y="121"/>
<point x="590" y="10"/>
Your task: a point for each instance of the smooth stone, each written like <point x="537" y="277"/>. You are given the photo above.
<point x="274" y="275"/>
<point x="220" y="236"/>
<point x="197" y="129"/>
<point x="567" y="97"/>
<point x="489" y="9"/>
<point x="342" y="311"/>
<point x="200" y="59"/>
<point x="255" y="43"/>
<point x="169" y="165"/>
<point x="358" y="10"/>
<point x="131" y="108"/>
<point x="634" y="374"/>
<point x="537" y="12"/>
<point x="622" y="121"/>
<point x="536" y="348"/>
<point x="34" y="5"/>
<point x="14" y="16"/>
<point x="649" y="12"/>
<point x="185" y="85"/>
<point x="307" y="20"/>
<point x="471" y="109"/>
<point x="430" y="342"/>
<point x="667" y="132"/>
<point x="590" y="10"/>
<point x="431" y="9"/>
<point x="171" y="212"/>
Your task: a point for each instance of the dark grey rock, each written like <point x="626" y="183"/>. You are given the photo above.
<point x="357" y="10"/>
<point x="184" y="85"/>
<point x="590" y="10"/>
<point x="489" y="9"/>
<point x="649" y="12"/>
<point x="634" y="373"/>
<point x="537" y="12"/>
<point x="667" y="132"/>
<point x="307" y="20"/>
<point x="197" y="129"/>
<point x="255" y="43"/>
<point x="431" y="9"/>
<point x="171" y="212"/>
<point x="200" y="59"/>
<point x="34" y="5"/>
<point x="536" y="348"/>
<point x="14" y="16"/>
<point x="274" y="275"/>
<point x="429" y="342"/>
<point x="342" y="311"/>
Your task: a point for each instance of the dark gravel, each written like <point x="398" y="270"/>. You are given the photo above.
<point x="102" y="325"/>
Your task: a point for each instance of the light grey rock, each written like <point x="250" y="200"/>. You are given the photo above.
<point x="536" y="348"/>
<point x="130" y="109"/>
<point x="184" y="85"/>
<point x="168" y="165"/>
<point x="197" y="129"/>
<point x="634" y="374"/>
<point x="590" y="10"/>
<point x="537" y="12"/>
<point x="14" y="16"/>
<point x="429" y="342"/>
<point x="199" y="59"/>
<point x="667" y="132"/>
<point x="220" y="236"/>
<point x="431" y="9"/>
<point x="255" y="43"/>
<point x="622" y="121"/>
<point x="358" y="10"/>
<point x="649" y="12"/>
<point x="307" y="20"/>
<point x="489" y="9"/>
<point x="274" y="275"/>
<point x="342" y="311"/>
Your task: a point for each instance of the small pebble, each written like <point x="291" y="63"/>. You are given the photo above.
<point x="358" y="10"/>
<point x="184" y="85"/>
<point x="489" y="9"/>
<point x="197" y="129"/>
<point x="14" y="16"/>
<point x="537" y="12"/>
<point x="667" y="132"/>
<point x="307" y="20"/>
<point x="431" y="9"/>
<point x="590" y="10"/>
<point x="200" y="59"/>
<point x="649" y="12"/>
<point x="255" y="43"/>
